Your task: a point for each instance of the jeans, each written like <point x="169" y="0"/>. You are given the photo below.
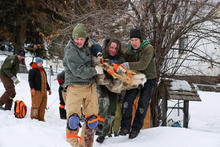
<point x="146" y="93"/>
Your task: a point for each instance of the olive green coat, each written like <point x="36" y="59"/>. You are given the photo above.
<point x="10" y="66"/>
<point x="142" y="59"/>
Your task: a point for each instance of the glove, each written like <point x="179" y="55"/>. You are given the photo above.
<point x="15" y="80"/>
<point x="97" y="60"/>
<point x="126" y="65"/>
<point x="99" y="70"/>
<point x="100" y="60"/>
<point x="99" y="54"/>
<point x="122" y="69"/>
<point x="32" y="91"/>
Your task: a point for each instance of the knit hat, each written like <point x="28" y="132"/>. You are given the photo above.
<point x="38" y="60"/>
<point x="135" y="33"/>
<point x="79" y="31"/>
<point x="21" y="53"/>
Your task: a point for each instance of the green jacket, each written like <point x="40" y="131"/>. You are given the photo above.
<point x="10" y="66"/>
<point x="142" y="59"/>
<point x="78" y="64"/>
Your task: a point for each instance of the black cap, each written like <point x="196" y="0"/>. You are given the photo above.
<point x="21" y="53"/>
<point x="135" y="33"/>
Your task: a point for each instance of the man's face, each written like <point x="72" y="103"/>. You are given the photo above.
<point x="79" y="42"/>
<point x="135" y="43"/>
<point x="112" y="50"/>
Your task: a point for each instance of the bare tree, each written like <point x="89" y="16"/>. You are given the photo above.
<point x="165" y="23"/>
<point x="103" y="18"/>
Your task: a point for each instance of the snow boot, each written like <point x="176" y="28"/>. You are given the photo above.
<point x="123" y="132"/>
<point x="100" y="139"/>
<point x="133" y="134"/>
<point x="2" y="108"/>
<point x="99" y="130"/>
<point x="116" y="134"/>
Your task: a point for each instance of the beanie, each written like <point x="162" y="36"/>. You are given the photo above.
<point x="38" y="60"/>
<point x="79" y="31"/>
<point x="21" y="53"/>
<point x="135" y="33"/>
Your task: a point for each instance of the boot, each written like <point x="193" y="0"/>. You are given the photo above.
<point x="123" y="132"/>
<point x="100" y="139"/>
<point x="99" y="130"/>
<point x="2" y="108"/>
<point x="116" y="134"/>
<point x="133" y="134"/>
<point x="62" y="113"/>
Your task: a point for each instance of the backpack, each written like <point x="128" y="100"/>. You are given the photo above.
<point x="20" y="109"/>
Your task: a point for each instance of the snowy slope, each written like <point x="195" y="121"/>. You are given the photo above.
<point x="204" y="125"/>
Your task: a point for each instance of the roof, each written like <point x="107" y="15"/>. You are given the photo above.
<point x="179" y="90"/>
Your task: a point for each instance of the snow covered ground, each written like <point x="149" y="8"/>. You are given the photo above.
<point x="204" y="125"/>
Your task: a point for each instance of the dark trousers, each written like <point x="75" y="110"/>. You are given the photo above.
<point x="9" y="93"/>
<point x="61" y="96"/>
<point x="62" y="110"/>
<point x="145" y="95"/>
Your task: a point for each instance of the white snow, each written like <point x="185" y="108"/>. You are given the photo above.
<point x="203" y="131"/>
<point x="180" y="85"/>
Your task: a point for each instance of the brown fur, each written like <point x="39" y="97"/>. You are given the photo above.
<point x="120" y="81"/>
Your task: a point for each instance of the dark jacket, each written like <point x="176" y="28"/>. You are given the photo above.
<point x="34" y="78"/>
<point x="10" y="66"/>
<point x="142" y="59"/>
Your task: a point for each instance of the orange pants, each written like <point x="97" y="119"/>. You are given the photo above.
<point x="77" y="95"/>
<point x="39" y="103"/>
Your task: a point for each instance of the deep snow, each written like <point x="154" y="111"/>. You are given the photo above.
<point x="203" y="131"/>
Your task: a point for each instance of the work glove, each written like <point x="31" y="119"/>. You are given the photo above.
<point x="123" y="67"/>
<point x="15" y="80"/>
<point x="32" y="91"/>
<point x="99" y="58"/>
<point x="99" y="54"/>
<point x="99" y="70"/>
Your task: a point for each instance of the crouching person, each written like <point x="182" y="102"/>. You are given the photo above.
<point x="81" y="90"/>
<point x="38" y="83"/>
